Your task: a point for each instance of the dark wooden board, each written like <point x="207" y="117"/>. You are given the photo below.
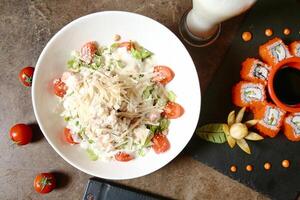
<point x="277" y="183"/>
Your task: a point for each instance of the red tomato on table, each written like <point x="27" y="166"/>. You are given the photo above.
<point x="44" y="183"/>
<point x="21" y="134"/>
<point x="26" y="75"/>
<point x="160" y="143"/>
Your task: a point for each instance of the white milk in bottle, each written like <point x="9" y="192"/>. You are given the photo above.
<point x="203" y="19"/>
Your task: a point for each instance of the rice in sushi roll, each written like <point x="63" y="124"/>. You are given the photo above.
<point x="274" y="51"/>
<point x="255" y="70"/>
<point x="295" y="48"/>
<point x="270" y="119"/>
<point x="292" y="127"/>
<point x="247" y="94"/>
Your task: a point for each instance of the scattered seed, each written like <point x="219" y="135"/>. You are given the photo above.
<point x="268" y="32"/>
<point x="286" y="31"/>
<point x="267" y="166"/>
<point x="285" y="163"/>
<point x="233" y="168"/>
<point x="117" y="37"/>
<point x="249" y="168"/>
<point x="246" y="36"/>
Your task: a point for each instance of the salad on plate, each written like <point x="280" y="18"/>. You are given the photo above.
<point x="115" y="102"/>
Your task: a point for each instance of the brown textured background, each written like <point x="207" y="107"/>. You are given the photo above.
<point x="25" y="28"/>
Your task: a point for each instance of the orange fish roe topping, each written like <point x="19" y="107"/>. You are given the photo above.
<point x="274" y="51"/>
<point x="233" y="168"/>
<point x="249" y="168"/>
<point x="286" y="31"/>
<point x="285" y="163"/>
<point x="268" y="32"/>
<point x="246" y="36"/>
<point x="267" y="166"/>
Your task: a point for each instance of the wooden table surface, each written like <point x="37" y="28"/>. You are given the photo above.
<point x="25" y="28"/>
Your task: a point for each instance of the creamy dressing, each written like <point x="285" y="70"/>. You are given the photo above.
<point x="105" y="109"/>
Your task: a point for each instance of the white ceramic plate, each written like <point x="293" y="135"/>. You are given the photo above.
<point x="101" y="27"/>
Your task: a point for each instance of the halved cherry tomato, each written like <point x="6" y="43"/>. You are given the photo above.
<point x="68" y="136"/>
<point x="21" y="134"/>
<point x="44" y="183"/>
<point x="163" y="74"/>
<point x="173" y="110"/>
<point x="160" y="143"/>
<point x="123" y="157"/>
<point x="129" y="45"/>
<point x="26" y="75"/>
<point x="88" y="52"/>
<point x="60" y="87"/>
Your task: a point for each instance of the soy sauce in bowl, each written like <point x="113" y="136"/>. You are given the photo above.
<point x="287" y="85"/>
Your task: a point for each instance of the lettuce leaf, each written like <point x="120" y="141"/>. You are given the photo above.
<point x="91" y="154"/>
<point x="171" y="96"/>
<point x="140" y="53"/>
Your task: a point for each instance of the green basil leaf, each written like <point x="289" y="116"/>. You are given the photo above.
<point x="212" y="133"/>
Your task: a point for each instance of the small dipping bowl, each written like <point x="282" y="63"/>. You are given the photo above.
<point x="293" y="62"/>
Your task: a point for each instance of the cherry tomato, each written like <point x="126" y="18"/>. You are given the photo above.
<point x="68" y="136"/>
<point x="173" y="110"/>
<point x="60" y="87"/>
<point x="88" y="52"/>
<point x="163" y="74"/>
<point x="44" y="183"/>
<point x="129" y="45"/>
<point x="160" y="143"/>
<point x="21" y="134"/>
<point x="123" y="157"/>
<point x="26" y="75"/>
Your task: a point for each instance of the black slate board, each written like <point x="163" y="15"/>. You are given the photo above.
<point x="277" y="183"/>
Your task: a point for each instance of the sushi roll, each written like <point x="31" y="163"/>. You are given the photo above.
<point x="254" y="70"/>
<point x="270" y="119"/>
<point x="274" y="51"/>
<point x="292" y="127"/>
<point x="295" y="48"/>
<point x="248" y="94"/>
